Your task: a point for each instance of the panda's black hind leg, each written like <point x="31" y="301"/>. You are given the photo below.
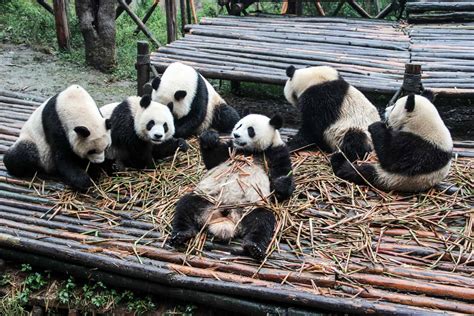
<point x="257" y="231"/>
<point x="225" y="118"/>
<point x="355" y="144"/>
<point x="22" y="159"/>
<point x="185" y="221"/>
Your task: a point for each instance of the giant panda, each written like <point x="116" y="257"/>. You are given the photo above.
<point x="142" y="130"/>
<point x="241" y="173"/>
<point x="61" y="137"/>
<point x="414" y="149"/>
<point x="196" y="104"/>
<point x="334" y="114"/>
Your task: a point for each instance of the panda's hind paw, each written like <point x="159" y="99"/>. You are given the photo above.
<point x="209" y="139"/>
<point x="254" y="251"/>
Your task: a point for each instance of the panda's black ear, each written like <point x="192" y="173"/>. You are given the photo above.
<point x="245" y="112"/>
<point x="410" y="105"/>
<point x="290" y="71"/>
<point x="180" y="94"/>
<point x="276" y="121"/>
<point x="156" y="83"/>
<point x="108" y="124"/>
<point x="170" y="106"/>
<point x="429" y="95"/>
<point x="82" y="131"/>
<point x="145" y="101"/>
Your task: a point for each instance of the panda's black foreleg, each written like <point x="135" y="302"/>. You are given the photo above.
<point x="298" y="142"/>
<point x="382" y="139"/>
<point x="225" y="118"/>
<point x="213" y="151"/>
<point x="355" y="144"/>
<point x="169" y="148"/>
<point x="358" y="174"/>
<point x="185" y="220"/>
<point x="281" y="178"/>
<point x="71" y="173"/>
<point x="22" y="159"/>
<point x="256" y="230"/>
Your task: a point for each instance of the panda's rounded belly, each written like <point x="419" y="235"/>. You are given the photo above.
<point x="230" y="183"/>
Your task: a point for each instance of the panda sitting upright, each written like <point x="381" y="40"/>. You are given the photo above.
<point x="61" y="137"/>
<point x="142" y="130"/>
<point x="414" y="149"/>
<point x="334" y="113"/>
<point x="196" y="104"/>
<point x="236" y="180"/>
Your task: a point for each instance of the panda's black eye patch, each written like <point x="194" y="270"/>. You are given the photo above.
<point x="150" y="124"/>
<point x="165" y="127"/>
<point x="239" y="126"/>
<point x="91" y="152"/>
<point x="251" y="132"/>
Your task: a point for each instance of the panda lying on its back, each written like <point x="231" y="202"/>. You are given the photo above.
<point x="196" y="105"/>
<point x="334" y="114"/>
<point x="61" y="136"/>
<point x="142" y="130"/>
<point x="414" y="150"/>
<point x="233" y="183"/>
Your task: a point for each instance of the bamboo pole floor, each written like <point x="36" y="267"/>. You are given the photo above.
<point x="337" y="246"/>
<point x="370" y="54"/>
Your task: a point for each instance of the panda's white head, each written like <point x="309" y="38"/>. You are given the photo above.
<point x="418" y="115"/>
<point x="301" y="79"/>
<point x="256" y="132"/>
<point x="154" y="121"/>
<point x="178" y="84"/>
<point x="88" y="132"/>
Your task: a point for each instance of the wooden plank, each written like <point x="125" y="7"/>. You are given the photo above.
<point x="62" y="25"/>
<point x="439" y="6"/>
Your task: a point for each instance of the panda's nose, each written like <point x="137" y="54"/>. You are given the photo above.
<point x="236" y="135"/>
<point x="157" y="136"/>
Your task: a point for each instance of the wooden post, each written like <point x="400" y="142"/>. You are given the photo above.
<point x="411" y="82"/>
<point x="170" y="7"/>
<point x="62" y="26"/>
<point x="182" y="10"/>
<point x="142" y="66"/>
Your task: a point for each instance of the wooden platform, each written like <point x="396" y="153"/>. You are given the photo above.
<point x="372" y="253"/>
<point x="370" y="54"/>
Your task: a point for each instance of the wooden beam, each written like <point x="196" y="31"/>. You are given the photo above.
<point x="358" y="9"/>
<point x="440" y="6"/>
<point x="182" y="10"/>
<point x="139" y="23"/>
<point x="45" y="5"/>
<point x="147" y="16"/>
<point x="62" y="25"/>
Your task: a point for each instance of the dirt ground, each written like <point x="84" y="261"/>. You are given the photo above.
<point x="24" y="69"/>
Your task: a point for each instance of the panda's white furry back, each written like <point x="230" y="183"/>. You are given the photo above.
<point x="230" y="197"/>
<point x="334" y="114"/>
<point x="414" y="149"/>
<point x="61" y="136"/>
<point x="196" y="104"/>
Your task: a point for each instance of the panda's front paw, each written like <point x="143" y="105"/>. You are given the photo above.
<point x="337" y="161"/>
<point x="182" y="145"/>
<point x="377" y="127"/>
<point x="178" y="239"/>
<point x="284" y="187"/>
<point x="254" y="250"/>
<point x="81" y="183"/>
<point x="209" y="139"/>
